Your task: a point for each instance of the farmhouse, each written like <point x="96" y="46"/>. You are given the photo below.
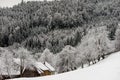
<point x="35" y="69"/>
<point x="38" y="69"/>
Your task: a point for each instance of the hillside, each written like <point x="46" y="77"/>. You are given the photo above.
<point x="68" y="34"/>
<point x="107" y="69"/>
<point x="37" y="24"/>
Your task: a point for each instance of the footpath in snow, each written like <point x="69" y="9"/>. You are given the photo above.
<point x="107" y="69"/>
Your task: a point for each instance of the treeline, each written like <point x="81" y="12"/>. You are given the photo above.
<point x="94" y="46"/>
<point x="54" y="41"/>
<point x="37" y="25"/>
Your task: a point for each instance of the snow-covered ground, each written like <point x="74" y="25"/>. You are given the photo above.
<point x="107" y="69"/>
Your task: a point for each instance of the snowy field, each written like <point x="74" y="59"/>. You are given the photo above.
<point x="107" y="69"/>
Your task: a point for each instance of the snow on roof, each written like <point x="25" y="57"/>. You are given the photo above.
<point x="41" y="66"/>
<point x="49" y="66"/>
<point x="39" y="71"/>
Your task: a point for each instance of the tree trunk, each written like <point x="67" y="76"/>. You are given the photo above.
<point x="88" y="62"/>
<point x="21" y="67"/>
<point x="7" y="66"/>
<point x="82" y="65"/>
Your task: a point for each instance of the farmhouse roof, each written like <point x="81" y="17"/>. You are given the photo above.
<point x="38" y="65"/>
<point x="41" y="66"/>
<point x="49" y="66"/>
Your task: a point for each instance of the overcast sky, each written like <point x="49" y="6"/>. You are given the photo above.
<point x="10" y="3"/>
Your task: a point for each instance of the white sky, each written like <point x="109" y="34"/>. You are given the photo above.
<point x="10" y="3"/>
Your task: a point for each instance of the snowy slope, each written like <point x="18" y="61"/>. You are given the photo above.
<point x="107" y="69"/>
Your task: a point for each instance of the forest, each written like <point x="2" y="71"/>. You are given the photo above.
<point x="67" y="33"/>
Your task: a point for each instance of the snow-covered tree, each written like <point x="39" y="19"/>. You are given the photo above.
<point x="103" y="42"/>
<point x="94" y="45"/>
<point x="7" y="66"/>
<point x="65" y="60"/>
<point x="47" y="56"/>
<point x="25" y="58"/>
<point x="80" y="60"/>
<point x="117" y="41"/>
<point x="37" y="56"/>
